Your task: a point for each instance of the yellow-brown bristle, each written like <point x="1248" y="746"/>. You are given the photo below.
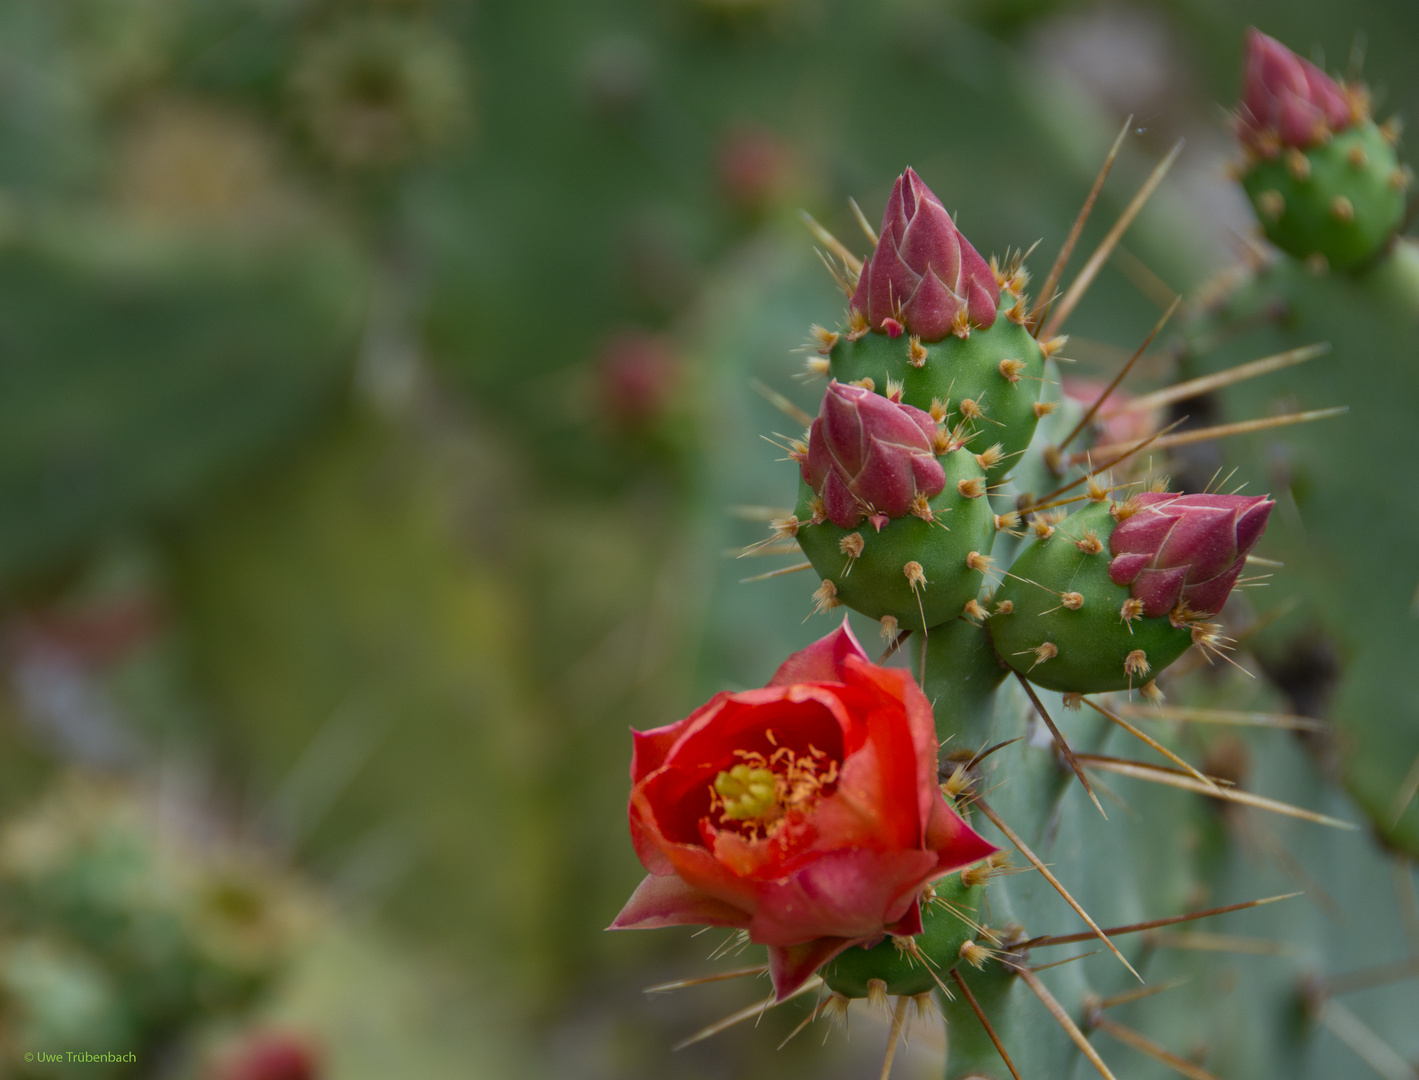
<point x="1072" y="600"/>
<point x="970" y="410"/>
<point x="939" y="409"/>
<point x="916" y="351"/>
<point x="1041" y="527"/>
<point x="1010" y="369"/>
<point x="972" y="488"/>
<point x="877" y="993"/>
<point x="941" y="442"/>
<point x="824" y="338"/>
<point x="1357" y="157"/>
<point x="1089" y="543"/>
<point x="825" y="597"/>
<point x="975" y="955"/>
<point x="1271" y="204"/>
<point x="857" y="324"/>
<point x="1073" y="701"/>
<point x="1151" y="691"/>
<point x="957" y="784"/>
<point x="894" y="389"/>
<point x="1007" y="521"/>
<point x="989" y="459"/>
<point x="922" y="508"/>
<point x="785" y="528"/>
<point x="976" y="561"/>
<point x="1132" y="609"/>
<point x="817" y="365"/>
<point x="1342" y="210"/>
<point x="915" y="575"/>
<point x="866" y="382"/>
<point x="1053" y="345"/>
<point x="1044" y="408"/>
<point x="1298" y="165"/>
<point x="1126" y="509"/>
<point x="974" y="610"/>
<point x="820" y="512"/>
<point x="961" y="325"/>
<point x="1096" y="491"/>
<point x="889" y="628"/>
<point x="1046" y="650"/>
<point x="1136" y="664"/>
<point x="1159" y="484"/>
<point x="1004" y="607"/>
<point x="851" y="545"/>
<point x="1018" y="312"/>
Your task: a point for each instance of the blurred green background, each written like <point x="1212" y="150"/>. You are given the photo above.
<point x="374" y="385"/>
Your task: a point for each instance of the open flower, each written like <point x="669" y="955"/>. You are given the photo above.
<point x="1287" y="101"/>
<point x="869" y="454"/>
<point x="1186" y="549"/>
<point x="924" y="273"/>
<point x="807" y="813"/>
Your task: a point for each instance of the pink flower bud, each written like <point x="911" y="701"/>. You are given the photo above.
<point x="637" y="374"/>
<point x="868" y="453"/>
<point x="271" y="1055"/>
<point x="1287" y="101"/>
<point x="924" y="272"/>
<point x="1186" y="549"/>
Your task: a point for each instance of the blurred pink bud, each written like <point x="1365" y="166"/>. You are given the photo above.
<point x="638" y="373"/>
<point x="755" y="168"/>
<point x="1185" y="549"/>
<point x="1287" y="101"/>
<point x="869" y="453"/>
<point x="272" y="1055"/>
<point x="924" y="272"/>
<point x="1124" y="427"/>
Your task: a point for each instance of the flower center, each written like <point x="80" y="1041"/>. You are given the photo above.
<point x="757" y="794"/>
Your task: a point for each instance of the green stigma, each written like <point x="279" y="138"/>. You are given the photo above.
<point x="748" y="793"/>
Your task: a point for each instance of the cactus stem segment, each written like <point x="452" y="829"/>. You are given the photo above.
<point x="1064" y="1020"/>
<point x="984" y="1021"/>
<point x="1150" y="741"/>
<point x="1047" y="291"/>
<point x="1073" y="764"/>
<point x="1145" y="1045"/>
<point x="1080" y="285"/>
<point x="1034" y="861"/>
<point x="1172" y="778"/>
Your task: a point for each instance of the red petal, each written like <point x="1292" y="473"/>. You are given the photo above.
<point x="668" y="901"/>
<point x="844" y="509"/>
<point x="1124" y="569"/>
<point x="980" y="304"/>
<point x="956" y="844"/>
<point x="931" y="242"/>
<point x="1160" y="590"/>
<point x="793" y="965"/>
<point x="822" y="661"/>
<point x="892" y="285"/>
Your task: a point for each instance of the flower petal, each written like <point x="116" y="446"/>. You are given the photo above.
<point x="790" y="966"/>
<point x="669" y="901"/>
<point x="822" y="661"/>
<point x="850" y="894"/>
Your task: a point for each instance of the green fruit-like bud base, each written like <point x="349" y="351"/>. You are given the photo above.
<point x="937" y="948"/>
<point x="877" y="582"/>
<point x="1342" y="200"/>
<point x="1089" y="648"/>
<point x="1001" y="370"/>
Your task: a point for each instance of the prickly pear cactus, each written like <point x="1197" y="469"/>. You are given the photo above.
<point x="1341" y="636"/>
<point x="1133" y="869"/>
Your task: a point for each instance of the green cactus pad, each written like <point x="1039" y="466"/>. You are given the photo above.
<point x="944" y="931"/>
<point x="957" y="369"/>
<point x="1342" y="200"/>
<point x="876" y="583"/>
<point x="1093" y="642"/>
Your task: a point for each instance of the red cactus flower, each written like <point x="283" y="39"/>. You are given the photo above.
<point x="272" y="1055"/>
<point x="807" y="813"/>
<point x="869" y="454"/>
<point x="1287" y="101"/>
<point x="1186" y="549"/>
<point x="924" y="273"/>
